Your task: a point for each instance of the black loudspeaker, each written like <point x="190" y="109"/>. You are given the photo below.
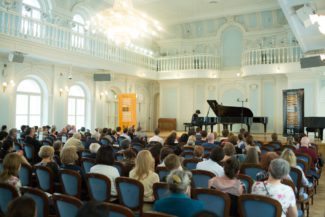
<point x="102" y="77"/>
<point x="16" y="57"/>
<point x="310" y="62"/>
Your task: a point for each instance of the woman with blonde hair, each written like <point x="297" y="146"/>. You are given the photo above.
<point x="144" y="172"/>
<point x="11" y="166"/>
<point x="46" y="153"/>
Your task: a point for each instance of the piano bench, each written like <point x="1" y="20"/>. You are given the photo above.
<point x="189" y="126"/>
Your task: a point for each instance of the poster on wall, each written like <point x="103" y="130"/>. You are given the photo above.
<point x="293" y="111"/>
<point x="127" y="110"/>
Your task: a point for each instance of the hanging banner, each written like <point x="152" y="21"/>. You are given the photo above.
<point x="127" y="110"/>
<point x="293" y="112"/>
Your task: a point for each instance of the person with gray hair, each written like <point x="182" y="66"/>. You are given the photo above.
<point x="272" y="187"/>
<point x="178" y="203"/>
<point x="75" y="141"/>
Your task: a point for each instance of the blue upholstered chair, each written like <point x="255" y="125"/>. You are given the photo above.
<point x="163" y="172"/>
<point x="251" y="170"/>
<point x="25" y="174"/>
<point x="188" y="155"/>
<point x="45" y="178"/>
<point x="126" y="187"/>
<point x="40" y="198"/>
<point x="200" y="178"/>
<point x="256" y="206"/>
<point x="190" y="164"/>
<point x="214" y="201"/>
<point x="71" y="182"/>
<point x="156" y="214"/>
<point x="29" y="152"/>
<point x="99" y="187"/>
<point x="116" y="210"/>
<point x="7" y="194"/>
<point x="119" y="156"/>
<point x="104" y="141"/>
<point x="17" y="147"/>
<point x="66" y="206"/>
<point x="247" y="181"/>
<point x="137" y="146"/>
<point x="160" y="190"/>
<point x="87" y="163"/>
<point x="120" y="167"/>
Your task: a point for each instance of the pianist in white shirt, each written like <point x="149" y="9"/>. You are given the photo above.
<point x="212" y="164"/>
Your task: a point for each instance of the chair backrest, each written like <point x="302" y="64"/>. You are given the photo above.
<point x="264" y="150"/>
<point x="251" y="169"/>
<point x="118" y="156"/>
<point x="187" y="155"/>
<point x="99" y="187"/>
<point x="29" y="152"/>
<point x="25" y="174"/>
<point x="291" y="147"/>
<point x="120" y="167"/>
<point x="87" y="163"/>
<point x="200" y="178"/>
<point x="276" y="145"/>
<point x="290" y="184"/>
<point x="163" y="172"/>
<point x="40" y="198"/>
<point x="160" y="190"/>
<point x="304" y="157"/>
<point x="127" y="187"/>
<point x="296" y="177"/>
<point x="8" y="193"/>
<point x="188" y="149"/>
<point x="116" y="210"/>
<point x="256" y="206"/>
<point x="247" y="181"/>
<point x="190" y="164"/>
<point x="156" y="214"/>
<point x="137" y="146"/>
<point x="104" y="141"/>
<point x="214" y="201"/>
<point x="1" y="166"/>
<point x="71" y="182"/>
<point x="44" y="176"/>
<point x="85" y="153"/>
<point x="66" y="206"/>
<point x="17" y="147"/>
<point x="302" y="164"/>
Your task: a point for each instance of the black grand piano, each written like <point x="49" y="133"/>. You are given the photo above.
<point x="315" y="124"/>
<point x="229" y="115"/>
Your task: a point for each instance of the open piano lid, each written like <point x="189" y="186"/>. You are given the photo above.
<point x="229" y="111"/>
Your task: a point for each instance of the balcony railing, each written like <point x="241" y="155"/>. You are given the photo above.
<point x="195" y="62"/>
<point x="16" y="25"/>
<point x="278" y="55"/>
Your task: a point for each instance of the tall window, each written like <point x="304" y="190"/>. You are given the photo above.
<point x="79" y="31"/>
<point x="76" y="106"/>
<point x="28" y="103"/>
<point x="112" y="109"/>
<point x="31" y="11"/>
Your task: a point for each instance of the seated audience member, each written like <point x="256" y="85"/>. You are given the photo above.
<point x="125" y="134"/>
<point x="173" y="162"/>
<point x="144" y="172"/>
<point x="190" y="141"/>
<point x="182" y="140"/>
<point x="178" y="203"/>
<point x="305" y="149"/>
<point x="171" y="141"/>
<point x="164" y="152"/>
<point x="252" y="156"/>
<point x="104" y="165"/>
<point x="203" y="138"/>
<point x="228" y="182"/>
<point x="291" y="141"/>
<point x="128" y="161"/>
<point x="105" y="135"/>
<point x="6" y="148"/>
<point x="10" y="173"/>
<point x="46" y="153"/>
<point x="140" y="133"/>
<point x="57" y="145"/>
<point x="229" y="151"/>
<point x="272" y="187"/>
<point x="265" y="163"/>
<point x="210" y="142"/>
<point x="22" y="207"/>
<point x="155" y="152"/>
<point x="241" y="145"/>
<point x="250" y="143"/>
<point x="224" y="137"/>
<point x="198" y="135"/>
<point x="124" y="145"/>
<point x="118" y="131"/>
<point x="94" y="138"/>
<point x="274" y="138"/>
<point x="13" y="136"/>
<point x="4" y="128"/>
<point x="93" y="209"/>
<point x="93" y="148"/>
<point x="156" y="137"/>
<point x="75" y="141"/>
<point x="30" y="139"/>
<point x="213" y="164"/>
<point x="69" y="157"/>
<point x="198" y="152"/>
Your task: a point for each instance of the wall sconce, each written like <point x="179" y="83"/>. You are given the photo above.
<point x="4" y="86"/>
<point x="61" y="91"/>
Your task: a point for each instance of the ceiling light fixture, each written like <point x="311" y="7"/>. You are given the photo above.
<point x="123" y="24"/>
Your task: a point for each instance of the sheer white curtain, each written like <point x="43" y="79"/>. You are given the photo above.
<point x="76" y="106"/>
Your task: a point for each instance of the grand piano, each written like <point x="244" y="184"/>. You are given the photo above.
<point x="229" y="115"/>
<point x="315" y="124"/>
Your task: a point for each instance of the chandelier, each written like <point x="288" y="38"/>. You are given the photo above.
<point x="124" y="24"/>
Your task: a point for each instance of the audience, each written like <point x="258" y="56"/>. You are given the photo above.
<point x="10" y="173"/>
<point x="22" y="207"/>
<point x="30" y="139"/>
<point x="104" y="166"/>
<point x="144" y="172"/>
<point x="241" y="145"/>
<point x="272" y="187"/>
<point x="265" y="163"/>
<point x="198" y="152"/>
<point x="178" y="203"/>
<point x="75" y="141"/>
<point x="191" y="141"/>
<point x="46" y="153"/>
<point x="164" y="152"/>
<point x="173" y="162"/>
<point x="229" y="150"/>
<point x="305" y="149"/>
<point x="210" y="142"/>
<point x="156" y="137"/>
<point x="213" y="164"/>
<point x="69" y="158"/>
<point x="128" y="161"/>
<point x="252" y="156"/>
<point x="224" y="137"/>
<point x="250" y="143"/>
<point x="57" y="145"/>
<point x="93" y="148"/>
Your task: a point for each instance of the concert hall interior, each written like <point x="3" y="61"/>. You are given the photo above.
<point x="139" y="90"/>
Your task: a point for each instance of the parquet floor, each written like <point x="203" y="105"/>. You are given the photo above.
<point x="318" y="209"/>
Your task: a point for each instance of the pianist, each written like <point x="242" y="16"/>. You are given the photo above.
<point x="195" y="118"/>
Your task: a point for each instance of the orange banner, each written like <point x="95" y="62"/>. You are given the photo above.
<point x="127" y="110"/>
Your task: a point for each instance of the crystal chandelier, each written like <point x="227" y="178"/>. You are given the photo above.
<point x="124" y="24"/>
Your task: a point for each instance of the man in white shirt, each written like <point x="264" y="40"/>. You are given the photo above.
<point x="212" y="165"/>
<point x="156" y="137"/>
<point x="125" y="134"/>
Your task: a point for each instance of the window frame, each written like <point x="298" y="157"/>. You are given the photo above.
<point x="75" y="98"/>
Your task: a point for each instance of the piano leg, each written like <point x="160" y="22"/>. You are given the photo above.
<point x="230" y="127"/>
<point x="211" y="127"/>
<point x="225" y="126"/>
<point x="248" y="128"/>
<point x="320" y="134"/>
<point x="265" y="125"/>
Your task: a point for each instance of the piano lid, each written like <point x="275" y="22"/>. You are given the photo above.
<point x="229" y="111"/>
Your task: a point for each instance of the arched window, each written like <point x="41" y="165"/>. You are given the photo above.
<point x="76" y="106"/>
<point x="28" y="103"/>
<point x="79" y="31"/>
<point x="112" y="109"/>
<point x="31" y="11"/>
